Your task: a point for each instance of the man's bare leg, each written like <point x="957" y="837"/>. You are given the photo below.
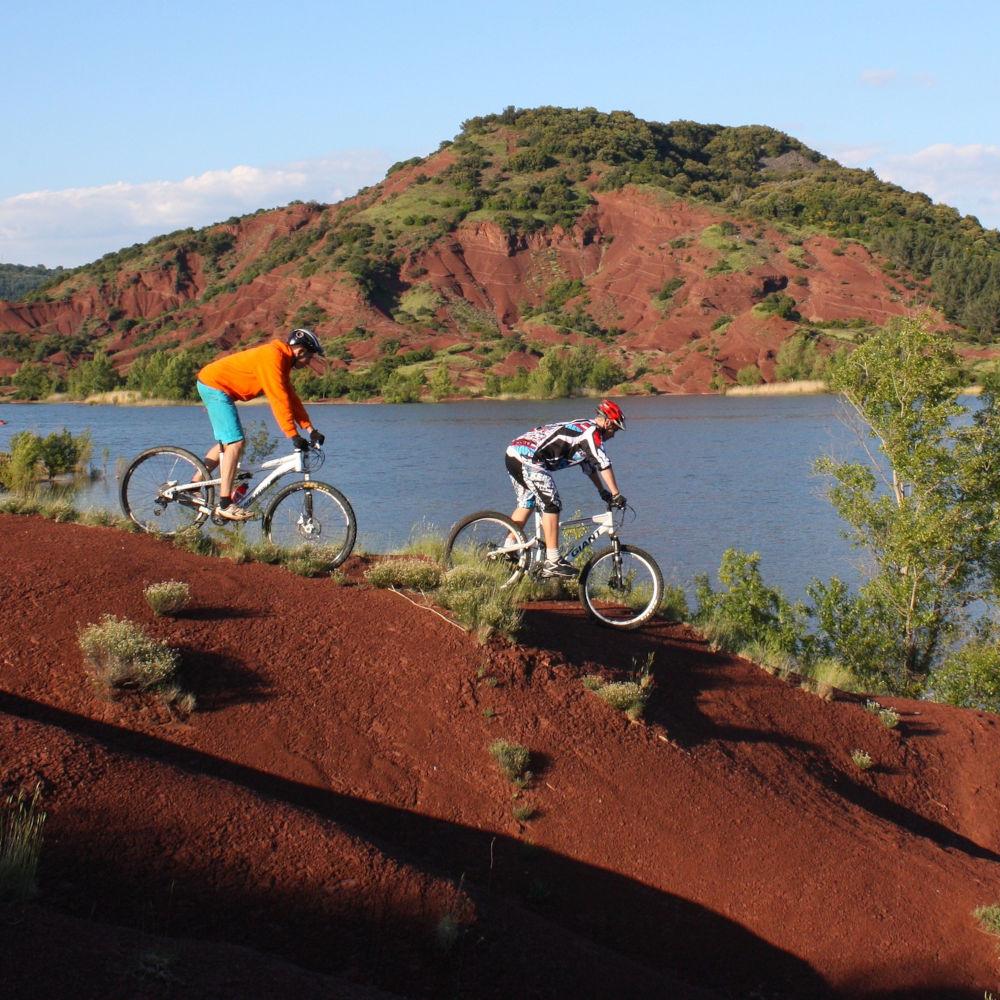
<point x="211" y="461"/>
<point x="229" y="461"/>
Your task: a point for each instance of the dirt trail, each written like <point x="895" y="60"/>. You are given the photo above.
<point x="332" y="807"/>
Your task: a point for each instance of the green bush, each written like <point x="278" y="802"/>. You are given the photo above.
<point x="476" y="595"/>
<point x="168" y="597"/>
<point x="777" y="304"/>
<point x="750" y="375"/>
<point x="989" y="918"/>
<point x="629" y="697"/>
<point x="119" y="655"/>
<point x="673" y="604"/>
<point x="309" y="560"/>
<point x="969" y="677"/>
<point x="21" y="822"/>
<point x="32" y="457"/>
<point x="512" y="758"/>
<point x="63" y="452"/>
<point x="799" y="358"/>
<point x="749" y="611"/>
<point x="411" y="574"/>
<point x="94" y="376"/>
<point x="32" y="381"/>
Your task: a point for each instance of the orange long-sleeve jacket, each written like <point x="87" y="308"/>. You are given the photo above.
<point x="265" y="369"/>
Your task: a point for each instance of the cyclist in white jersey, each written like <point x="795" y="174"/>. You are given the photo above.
<point x="532" y="457"/>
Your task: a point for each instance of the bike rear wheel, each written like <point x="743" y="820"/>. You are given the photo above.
<point x="143" y="484"/>
<point x="621" y="589"/>
<point x="482" y="538"/>
<point x="314" y="515"/>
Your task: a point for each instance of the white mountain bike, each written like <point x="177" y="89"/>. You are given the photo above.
<point x="620" y="586"/>
<point x="160" y="494"/>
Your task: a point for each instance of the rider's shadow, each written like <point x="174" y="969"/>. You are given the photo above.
<point x="684" y="670"/>
<point x="219" y="681"/>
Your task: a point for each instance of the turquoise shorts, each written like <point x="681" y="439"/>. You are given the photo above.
<point x="226" y="424"/>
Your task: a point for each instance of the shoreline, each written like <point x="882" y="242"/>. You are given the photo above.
<point x="804" y="387"/>
<point x="130" y="398"/>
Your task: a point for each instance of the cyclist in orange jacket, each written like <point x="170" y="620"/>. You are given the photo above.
<point x="246" y="375"/>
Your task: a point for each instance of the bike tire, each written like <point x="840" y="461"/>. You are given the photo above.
<point x="616" y="605"/>
<point x="140" y="484"/>
<point x="292" y="520"/>
<point x="479" y="535"/>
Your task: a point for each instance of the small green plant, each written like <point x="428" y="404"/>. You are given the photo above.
<point x="862" y="759"/>
<point x="411" y="574"/>
<point x="512" y="758"/>
<point x="628" y="696"/>
<point x="989" y="918"/>
<point x="525" y="813"/>
<point x="308" y="560"/>
<point x="232" y="543"/>
<point x="489" y="713"/>
<point x="21" y="822"/>
<point x="828" y="673"/>
<point x="168" y="597"/>
<point x="889" y="717"/>
<point x="119" y="655"/>
<point x="193" y="540"/>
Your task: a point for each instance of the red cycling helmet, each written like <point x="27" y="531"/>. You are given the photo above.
<point x="613" y="413"/>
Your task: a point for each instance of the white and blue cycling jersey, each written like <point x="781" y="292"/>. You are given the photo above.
<point x="535" y="454"/>
<point x="558" y="446"/>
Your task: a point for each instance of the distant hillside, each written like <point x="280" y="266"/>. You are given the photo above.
<point x="543" y="252"/>
<point x="17" y="280"/>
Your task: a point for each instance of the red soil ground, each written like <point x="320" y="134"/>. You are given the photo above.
<point x="328" y="823"/>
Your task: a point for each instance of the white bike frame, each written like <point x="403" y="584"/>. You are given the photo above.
<point x="298" y="461"/>
<point x="536" y="545"/>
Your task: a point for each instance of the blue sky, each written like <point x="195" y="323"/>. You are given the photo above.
<point x="124" y="120"/>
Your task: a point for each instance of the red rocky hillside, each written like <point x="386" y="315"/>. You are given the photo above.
<point x="683" y="252"/>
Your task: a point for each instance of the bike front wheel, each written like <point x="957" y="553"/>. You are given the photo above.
<point x="314" y="515"/>
<point x="146" y="496"/>
<point x="623" y="588"/>
<point x="486" y="538"/>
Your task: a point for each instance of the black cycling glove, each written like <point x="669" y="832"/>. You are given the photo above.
<point x="299" y="443"/>
<point x="618" y="501"/>
<point x="315" y="437"/>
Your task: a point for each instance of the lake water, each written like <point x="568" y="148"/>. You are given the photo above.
<point x="705" y="473"/>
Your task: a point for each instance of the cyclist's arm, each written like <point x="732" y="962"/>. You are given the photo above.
<point x="609" y="480"/>
<point x="590" y="470"/>
<point x="285" y="404"/>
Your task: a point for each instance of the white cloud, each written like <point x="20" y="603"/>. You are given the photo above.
<point x="966" y="177"/>
<point x="77" y="225"/>
<point x="878" y="77"/>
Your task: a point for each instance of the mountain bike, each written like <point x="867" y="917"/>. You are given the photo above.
<point x="620" y="586"/>
<point x="160" y="493"/>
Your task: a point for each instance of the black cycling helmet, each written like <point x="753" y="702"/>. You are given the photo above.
<point x="307" y="339"/>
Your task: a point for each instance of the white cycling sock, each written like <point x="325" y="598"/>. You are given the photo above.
<point x="552" y="555"/>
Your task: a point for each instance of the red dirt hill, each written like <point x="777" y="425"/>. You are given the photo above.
<point x="329" y="823"/>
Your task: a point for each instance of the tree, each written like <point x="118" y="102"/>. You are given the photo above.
<point x="440" y="384"/>
<point x="31" y="381"/>
<point x="92" y="377"/>
<point x="923" y="506"/>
